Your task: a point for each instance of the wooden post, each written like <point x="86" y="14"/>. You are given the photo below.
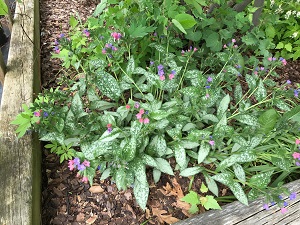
<point x="2" y="69"/>
<point x="20" y="159"/>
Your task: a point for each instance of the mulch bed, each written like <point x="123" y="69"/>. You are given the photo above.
<point x="68" y="201"/>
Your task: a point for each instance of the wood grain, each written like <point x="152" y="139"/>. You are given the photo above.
<point x="254" y="214"/>
<point x="20" y="158"/>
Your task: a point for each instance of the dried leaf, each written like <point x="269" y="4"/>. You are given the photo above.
<point x="80" y="217"/>
<point x="166" y="189"/>
<point x="169" y="219"/>
<point x="96" y="189"/>
<point x="129" y="208"/>
<point x="92" y="219"/>
<point x="177" y="189"/>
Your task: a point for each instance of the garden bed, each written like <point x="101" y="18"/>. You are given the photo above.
<point x="66" y="200"/>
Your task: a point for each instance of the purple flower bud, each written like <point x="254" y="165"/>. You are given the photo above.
<point x="81" y="167"/>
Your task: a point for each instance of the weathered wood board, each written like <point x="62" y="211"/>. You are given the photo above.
<point x="254" y="214"/>
<point x="20" y="158"/>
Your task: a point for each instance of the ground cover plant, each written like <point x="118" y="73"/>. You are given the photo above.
<point x="144" y="94"/>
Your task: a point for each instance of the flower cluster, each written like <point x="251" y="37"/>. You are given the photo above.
<point x="56" y="44"/>
<point x="140" y="117"/>
<point x="109" y="127"/>
<point x="283" y="209"/>
<point x="161" y="72"/>
<point x="86" y="32"/>
<point x="73" y="163"/>
<point x="109" y="46"/>
<point x="296" y="155"/>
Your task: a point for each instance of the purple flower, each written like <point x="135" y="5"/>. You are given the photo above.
<point x="266" y="206"/>
<point x="293" y="196"/>
<point x="151" y="63"/>
<point x="207" y="86"/>
<point x="288" y="82"/>
<point x="114" y="48"/>
<point x="37" y="114"/>
<point x="160" y="67"/>
<point x="296" y="93"/>
<point x="61" y="35"/>
<point x="108" y="45"/>
<point x="161" y="72"/>
<point x="238" y="66"/>
<point x="136" y="105"/>
<point x="76" y="161"/>
<point x="211" y="142"/>
<point x="280" y="197"/>
<point x="81" y="167"/>
<point x="209" y="79"/>
<point x="45" y="114"/>
<point x="297" y="163"/>
<point x="86" y="32"/>
<point x="285" y="204"/>
<point x="56" y="42"/>
<point x="173" y="72"/>
<point x="109" y="129"/>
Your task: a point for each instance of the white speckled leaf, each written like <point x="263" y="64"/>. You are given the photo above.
<point x="212" y="185"/>
<point x="239" y="172"/>
<point x="247" y="119"/>
<point x="191" y="171"/>
<point x="238" y="192"/>
<point x="180" y="155"/>
<point x="261" y="91"/>
<point x="164" y="166"/>
<point x="141" y="192"/>
<point x="223" y="106"/>
<point x="108" y="85"/>
<point x="77" y="106"/>
<point x="203" y="152"/>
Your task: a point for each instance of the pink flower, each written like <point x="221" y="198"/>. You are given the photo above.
<point x="116" y="36"/>
<point x="297" y="141"/>
<point x="104" y="51"/>
<point x="224" y="46"/>
<point x="37" y="114"/>
<point x="270" y="59"/>
<point x="138" y="116"/>
<point x="255" y="72"/>
<point x="284" y="62"/>
<point x="142" y="111"/>
<point x="235" y="46"/>
<point x="207" y="95"/>
<point x="127" y="106"/>
<point x="86" y="32"/>
<point x="233" y="40"/>
<point x="141" y="120"/>
<point x="71" y="164"/>
<point x="86" y="163"/>
<point x="57" y="51"/>
<point x="211" y="142"/>
<point x="146" y="121"/>
<point x="108" y="125"/>
<point x="195" y="49"/>
<point x="85" y="179"/>
<point x="162" y="78"/>
<point x="171" y="76"/>
<point x="283" y="210"/>
<point x="296" y="155"/>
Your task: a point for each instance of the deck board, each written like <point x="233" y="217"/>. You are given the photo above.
<point x="238" y="214"/>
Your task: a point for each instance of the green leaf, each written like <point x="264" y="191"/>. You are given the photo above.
<point x="191" y="198"/>
<point x="239" y="172"/>
<point x="156" y="175"/>
<point x="161" y="146"/>
<point x="3" y="8"/>
<point x="238" y="192"/>
<point x="108" y="85"/>
<point x="141" y="192"/>
<point x="95" y="149"/>
<point x="110" y="136"/>
<point x="180" y="155"/>
<point x="293" y="115"/>
<point x="250" y="81"/>
<point x="288" y="47"/>
<point x="280" y="45"/>
<point x="159" y="114"/>
<point x="261" y="92"/>
<point x="213" y="42"/>
<point x="224" y="178"/>
<point x="179" y="26"/>
<point x="268" y="120"/>
<point x="139" y="31"/>
<point x="100" y="7"/>
<point x="203" y="188"/>
<point x="191" y="171"/>
<point x="270" y="31"/>
<point x="130" y="66"/>
<point x="102" y="105"/>
<point x="193" y="36"/>
<point x="189" y="144"/>
<point x="77" y="106"/>
<point x="261" y="180"/>
<point x="210" y="117"/>
<point x="212" y="185"/>
<point x="281" y="105"/>
<point x="73" y="22"/>
<point x="105" y="174"/>
<point x="203" y="152"/>
<point x="247" y="119"/>
<point x="209" y="202"/>
<point x="53" y="136"/>
<point x="164" y="166"/>
<point x="223" y="106"/>
<point x="129" y="150"/>
<point x="228" y="162"/>
<point x="121" y="179"/>
<point x="187" y="21"/>
<point x="148" y="160"/>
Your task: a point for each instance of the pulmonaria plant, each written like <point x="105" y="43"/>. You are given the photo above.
<point x="138" y="99"/>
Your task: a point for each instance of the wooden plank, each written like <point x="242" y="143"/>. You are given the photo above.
<point x="254" y="214"/>
<point x="20" y="159"/>
<point x="2" y="69"/>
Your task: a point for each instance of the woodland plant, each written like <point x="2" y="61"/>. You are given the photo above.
<point x="137" y="91"/>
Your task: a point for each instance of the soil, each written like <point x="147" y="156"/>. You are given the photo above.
<point x="68" y="201"/>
